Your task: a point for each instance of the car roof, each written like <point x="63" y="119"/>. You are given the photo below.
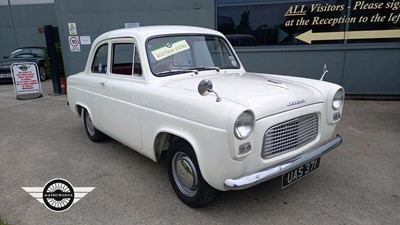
<point x="30" y="47"/>
<point x="145" y="32"/>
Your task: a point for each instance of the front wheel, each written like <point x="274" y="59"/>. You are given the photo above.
<point x="93" y="134"/>
<point x="185" y="176"/>
<point x="42" y="73"/>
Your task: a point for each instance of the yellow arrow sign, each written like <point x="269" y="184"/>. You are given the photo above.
<point x="309" y="36"/>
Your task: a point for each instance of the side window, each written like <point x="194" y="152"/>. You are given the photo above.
<point x="126" y="59"/>
<point x="99" y="64"/>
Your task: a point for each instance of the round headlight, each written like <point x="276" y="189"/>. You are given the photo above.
<point x="338" y="99"/>
<point x="244" y="125"/>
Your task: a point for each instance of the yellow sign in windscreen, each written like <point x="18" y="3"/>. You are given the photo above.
<point x="169" y="49"/>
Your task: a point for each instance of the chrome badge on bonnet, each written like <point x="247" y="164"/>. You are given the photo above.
<point x="296" y="102"/>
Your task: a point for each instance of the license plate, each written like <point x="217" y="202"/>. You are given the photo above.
<point x="6" y="75"/>
<point x="299" y="172"/>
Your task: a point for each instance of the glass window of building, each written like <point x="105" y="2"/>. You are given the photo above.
<point x="262" y="23"/>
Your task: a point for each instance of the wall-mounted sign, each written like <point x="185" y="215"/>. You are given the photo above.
<point x="359" y="20"/>
<point x="130" y="25"/>
<point x="264" y="22"/>
<point x="85" y="40"/>
<point x="72" y="29"/>
<point x="74" y="44"/>
<point x="26" y="80"/>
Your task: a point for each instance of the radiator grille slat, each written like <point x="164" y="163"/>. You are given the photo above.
<point x="290" y="135"/>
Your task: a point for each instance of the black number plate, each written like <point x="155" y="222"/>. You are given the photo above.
<point x="299" y="172"/>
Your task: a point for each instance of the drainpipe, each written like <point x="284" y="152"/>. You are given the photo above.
<point x="51" y="49"/>
<point x="12" y="24"/>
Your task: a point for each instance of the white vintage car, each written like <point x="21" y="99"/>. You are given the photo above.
<point x="183" y="90"/>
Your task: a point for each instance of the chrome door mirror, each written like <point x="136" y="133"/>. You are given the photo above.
<point x="324" y="71"/>
<point x="206" y="87"/>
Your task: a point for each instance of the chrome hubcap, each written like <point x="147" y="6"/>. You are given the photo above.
<point x="89" y="124"/>
<point x="185" y="174"/>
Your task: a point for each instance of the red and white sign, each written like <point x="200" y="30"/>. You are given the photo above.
<point x="26" y="79"/>
<point x="74" y="44"/>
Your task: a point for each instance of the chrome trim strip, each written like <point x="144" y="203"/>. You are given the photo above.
<point x="282" y="168"/>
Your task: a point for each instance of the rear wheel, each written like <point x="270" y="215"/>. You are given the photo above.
<point x="185" y="176"/>
<point x="93" y="134"/>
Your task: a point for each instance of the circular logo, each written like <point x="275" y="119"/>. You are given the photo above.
<point x="58" y="195"/>
<point x="168" y="45"/>
<point x="24" y="68"/>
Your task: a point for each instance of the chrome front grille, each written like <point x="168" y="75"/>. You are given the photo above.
<point x="289" y="135"/>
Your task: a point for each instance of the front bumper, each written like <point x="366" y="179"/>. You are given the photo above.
<point x="283" y="167"/>
<point x="5" y="75"/>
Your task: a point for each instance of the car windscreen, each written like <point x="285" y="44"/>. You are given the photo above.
<point x="27" y="53"/>
<point x="171" y="55"/>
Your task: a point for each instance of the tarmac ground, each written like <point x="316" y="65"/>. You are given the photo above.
<point x="41" y="139"/>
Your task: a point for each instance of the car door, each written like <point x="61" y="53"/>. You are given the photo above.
<point x="122" y="93"/>
<point x="93" y="84"/>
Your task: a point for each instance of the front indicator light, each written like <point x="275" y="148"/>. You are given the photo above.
<point x="244" y="148"/>
<point x="336" y="116"/>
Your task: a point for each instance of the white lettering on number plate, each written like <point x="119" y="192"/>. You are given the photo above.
<point x="300" y="172"/>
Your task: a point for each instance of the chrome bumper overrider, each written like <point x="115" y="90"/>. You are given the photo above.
<point x="283" y="167"/>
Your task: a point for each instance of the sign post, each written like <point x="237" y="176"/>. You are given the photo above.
<point x="26" y="80"/>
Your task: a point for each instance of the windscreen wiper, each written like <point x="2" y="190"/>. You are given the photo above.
<point x="202" y="68"/>
<point x="191" y="70"/>
<point x="173" y="72"/>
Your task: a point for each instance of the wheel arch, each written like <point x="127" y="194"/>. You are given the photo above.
<point x="163" y="140"/>
<point x="78" y="109"/>
<point x="208" y="154"/>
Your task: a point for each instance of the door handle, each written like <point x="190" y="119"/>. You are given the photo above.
<point x="102" y="83"/>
